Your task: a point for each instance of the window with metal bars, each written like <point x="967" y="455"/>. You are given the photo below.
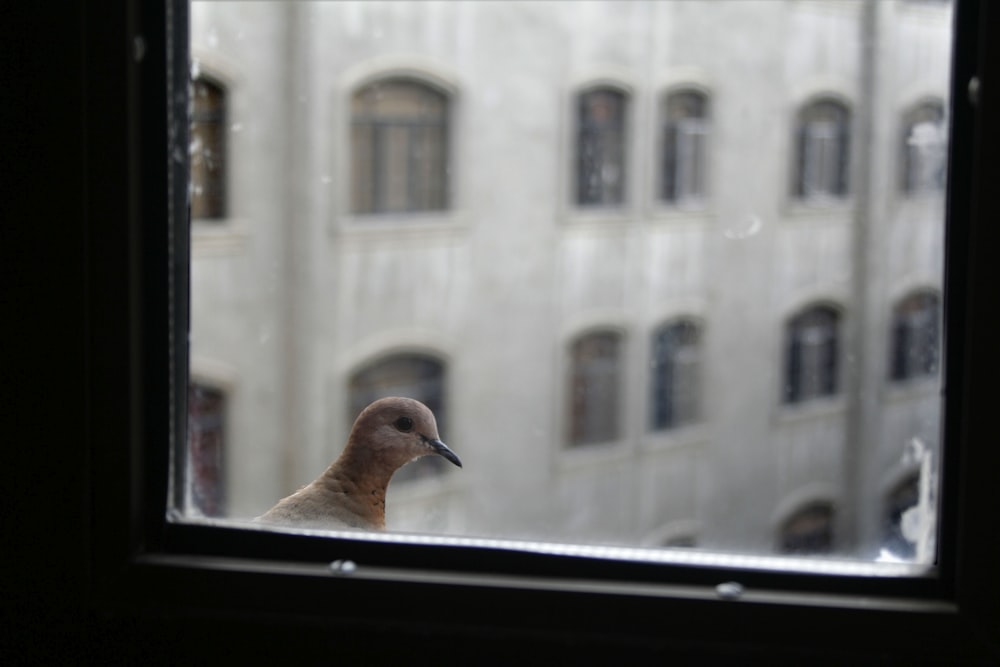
<point x="399" y="148"/>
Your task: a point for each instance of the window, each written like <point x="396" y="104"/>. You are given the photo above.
<point x="206" y="462"/>
<point x="899" y="527"/>
<point x="809" y="531"/>
<point x="280" y="585"/>
<point x="208" y="149"/>
<point x="685" y="128"/>
<point x="595" y="386"/>
<point x="915" y="338"/>
<point x="811" y="355"/>
<point x="600" y="146"/>
<point x="924" y="149"/>
<point x="822" y="146"/>
<point x="399" y="148"/>
<point x="676" y="375"/>
<point x="414" y="376"/>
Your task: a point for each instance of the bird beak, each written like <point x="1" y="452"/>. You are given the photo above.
<point x="442" y="449"/>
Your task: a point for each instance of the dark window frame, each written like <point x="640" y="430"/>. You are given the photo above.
<point x="144" y="568"/>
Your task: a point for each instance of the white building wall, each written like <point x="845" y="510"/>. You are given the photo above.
<point x="293" y="293"/>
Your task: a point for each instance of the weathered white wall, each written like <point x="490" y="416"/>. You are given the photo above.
<point x="292" y="293"/>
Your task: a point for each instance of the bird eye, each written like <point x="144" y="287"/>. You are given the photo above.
<point x="404" y="424"/>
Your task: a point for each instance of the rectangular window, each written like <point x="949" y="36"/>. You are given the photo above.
<point x="522" y="326"/>
<point x="296" y="330"/>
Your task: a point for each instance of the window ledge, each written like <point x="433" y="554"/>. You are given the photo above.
<point x="820" y="209"/>
<point x="816" y="408"/>
<point x="215" y="238"/>
<point x="598" y="215"/>
<point x="575" y="458"/>
<point x="681" y="437"/>
<point x="669" y="214"/>
<point x="378" y="227"/>
<point x="901" y="391"/>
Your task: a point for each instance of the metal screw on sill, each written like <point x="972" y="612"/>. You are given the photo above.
<point x="730" y="590"/>
<point x="343" y="567"/>
<point x="974" y="91"/>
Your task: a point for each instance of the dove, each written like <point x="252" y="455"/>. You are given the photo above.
<point x="387" y="435"/>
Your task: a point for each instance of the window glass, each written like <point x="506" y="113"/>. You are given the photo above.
<point x="915" y="340"/>
<point x="208" y="149"/>
<point x="601" y="148"/>
<point x="812" y="354"/>
<point x="685" y="146"/>
<point x="676" y="370"/>
<point x="206" y="462"/>
<point x="500" y="209"/>
<point x="594" y="388"/>
<point x="923" y="149"/>
<point x="399" y="154"/>
<point x="823" y="150"/>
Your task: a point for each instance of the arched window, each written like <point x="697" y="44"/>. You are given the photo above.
<point x="809" y="531"/>
<point x="399" y="148"/>
<point x="676" y="375"/>
<point x="595" y="388"/>
<point x="208" y="149"/>
<point x="685" y="127"/>
<point x="905" y="496"/>
<point x="923" y="149"/>
<point x="205" y="465"/>
<point x="915" y="337"/>
<point x="417" y="376"/>
<point x="823" y="150"/>
<point x="600" y="147"/>
<point x="811" y="354"/>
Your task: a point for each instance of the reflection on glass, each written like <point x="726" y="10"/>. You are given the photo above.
<point x="405" y="204"/>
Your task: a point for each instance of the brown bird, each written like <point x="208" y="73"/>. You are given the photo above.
<point x="387" y="435"/>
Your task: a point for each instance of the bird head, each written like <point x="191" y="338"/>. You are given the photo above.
<point x="395" y="431"/>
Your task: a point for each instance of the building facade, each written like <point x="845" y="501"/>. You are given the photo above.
<point x="668" y="272"/>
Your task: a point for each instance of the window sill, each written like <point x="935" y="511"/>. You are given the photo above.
<point x="379" y="227"/>
<point x="218" y="238"/>
<point x="682" y="437"/>
<point x="900" y="391"/>
<point x="667" y="214"/>
<point x="579" y="458"/>
<point x="598" y="215"/>
<point x="812" y="409"/>
<point x="820" y="209"/>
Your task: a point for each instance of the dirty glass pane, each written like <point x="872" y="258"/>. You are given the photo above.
<point x="668" y="273"/>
